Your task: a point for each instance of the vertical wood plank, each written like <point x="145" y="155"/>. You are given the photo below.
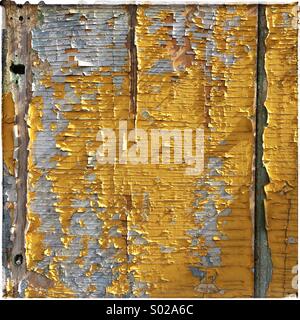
<point x="280" y="147"/>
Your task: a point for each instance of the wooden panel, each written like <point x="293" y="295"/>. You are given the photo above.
<point x="145" y="229"/>
<point x="197" y="69"/>
<point x="280" y="152"/>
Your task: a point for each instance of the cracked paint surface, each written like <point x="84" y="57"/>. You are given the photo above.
<point x="199" y="87"/>
<point x="81" y="84"/>
<point x="280" y="147"/>
<point x="127" y="230"/>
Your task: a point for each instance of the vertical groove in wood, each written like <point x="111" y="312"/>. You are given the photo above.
<point x="263" y="263"/>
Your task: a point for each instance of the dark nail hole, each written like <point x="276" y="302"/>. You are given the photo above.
<point x="18" y="259"/>
<point x="17" y="68"/>
<point x="21" y="18"/>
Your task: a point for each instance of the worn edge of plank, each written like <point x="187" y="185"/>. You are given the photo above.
<point x="263" y="262"/>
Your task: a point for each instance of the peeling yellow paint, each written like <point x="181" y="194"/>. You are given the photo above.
<point x="57" y="291"/>
<point x="159" y="232"/>
<point x="34" y="241"/>
<point x="157" y="202"/>
<point x="280" y="142"/>
<point x="9" y="288"/>
<point x="8" y="119"/>
<point x="35" y="249"/>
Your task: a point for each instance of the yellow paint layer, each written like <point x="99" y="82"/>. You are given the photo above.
<point x="171" y="234"/>
<point x="8" y="119"/>
<point x="220" y="101"/>
<point x="70" y="183"/>
<point x="232" y="113"/>
<point x="280" y="147"/>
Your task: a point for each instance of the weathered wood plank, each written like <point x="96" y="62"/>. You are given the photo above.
<point x="17" y="94"/>
<point x="148" y="229"/>
<point x="197" y="69"/>
<point x="280" y="147"/>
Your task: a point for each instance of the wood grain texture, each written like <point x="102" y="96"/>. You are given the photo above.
<point x="147" y="229"/>
<point x="280" y="147"/>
